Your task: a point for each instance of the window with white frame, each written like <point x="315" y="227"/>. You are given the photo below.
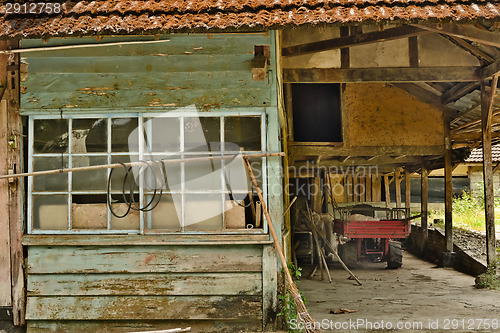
<point x="204" y="196"/>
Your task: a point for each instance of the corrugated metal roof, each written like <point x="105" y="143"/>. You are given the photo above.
<point x="476" y="155"/>
<point x="153" y="16"/>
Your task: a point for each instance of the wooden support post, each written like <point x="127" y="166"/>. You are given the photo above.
<point x="14" y="132"/>
<point x="317" y="194"/>
<point x="489" y="208"/>
<point x="387" y="193"/>
<point x="5" y="276"/>
<point x="345" y="61"/>
<point x="448" y="185"/>
<point x="368" y="188"/>
<point x="407" y="192"/>
<point x="423" y="206"/>
<point x="376" y="188"/>
<point x="355" y="187"/>
<point x="397" y="178"/>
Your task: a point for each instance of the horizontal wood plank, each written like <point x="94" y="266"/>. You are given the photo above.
<point x="146" y="240"/>
<point x="109" y="326"/>
<point x="143" y="307"/>
<point x="399" y="74"/>
<point x="144" y="259"/>
<point x="145" y="284"/>
<point x="312" y="150"/>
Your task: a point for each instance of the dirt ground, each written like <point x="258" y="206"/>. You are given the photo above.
<point x="419" y="297"/>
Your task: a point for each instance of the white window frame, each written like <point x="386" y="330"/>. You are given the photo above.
<point x="144" y="221"/>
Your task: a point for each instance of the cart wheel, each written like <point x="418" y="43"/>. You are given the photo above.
<point x="395" y="255"/>
<point x="349" y="254"/>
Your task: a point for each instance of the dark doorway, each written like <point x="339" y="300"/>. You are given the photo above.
<point x="316" y="112"/>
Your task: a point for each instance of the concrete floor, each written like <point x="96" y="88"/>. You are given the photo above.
<point x="419" y="297"/>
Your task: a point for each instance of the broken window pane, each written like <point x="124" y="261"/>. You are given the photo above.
<point x="118" y="176"/>
<point x="89" y="136"/>
<point x="129" y="222"/>
<point x="92" y="180"/>
<point x="50" y="212"/>
<point x="203" y="212"/>
<point x="89" y="212"/>
<point x="162" y="175"/>
<point x="235" y="211"/>
<point x="121" y="129"/>
<point x="201" y="134"/>
<point x="244" y="132"/>
<point x="164" y="135"/>
<point x="50" y="136"/>
<point x="203" y="175"/>
<point x="57" y="182"/>
<point x="166" y="214"/>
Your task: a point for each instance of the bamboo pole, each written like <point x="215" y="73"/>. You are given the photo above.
<point x="139" y="163"/>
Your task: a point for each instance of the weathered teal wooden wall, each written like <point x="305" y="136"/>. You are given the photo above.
<point x="120" y="286"/>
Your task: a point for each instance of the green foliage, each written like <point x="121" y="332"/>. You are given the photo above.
<point x="468" y="211"/>
<point x="288" y="307"/>
<point x="489" y="280"/>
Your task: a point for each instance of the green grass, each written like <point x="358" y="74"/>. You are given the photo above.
<point x="468" y="213"/>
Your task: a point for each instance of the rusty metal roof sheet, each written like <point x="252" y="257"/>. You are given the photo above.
<point x="155" y="16"/>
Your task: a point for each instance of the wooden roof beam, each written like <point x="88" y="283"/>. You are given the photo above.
<point x="468" y="32"/>
<point x="355" y="39"/>
<point x="483" y="57"/>
<point x="393" y="74"/>
<point x="490" y="70"/>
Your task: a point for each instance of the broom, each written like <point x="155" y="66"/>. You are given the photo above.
<point x="302" y="312"/>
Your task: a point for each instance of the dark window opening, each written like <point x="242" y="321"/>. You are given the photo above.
<point x="316" y="112"/>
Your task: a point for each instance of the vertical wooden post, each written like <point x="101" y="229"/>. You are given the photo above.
<point x="14" y="127"/>
<point x="355" y="187"/>
<point x="423" y="206"/>
<point x="368" y="188"/>
<point x="387" y="193"/>
<point x="5" y="264"/>
<point x="489" y="208"/>
<point x="345" y="61"/>
<point x="376" y="188"/>
<point x="407" y="192"/>
<point x="397" y="179"/>
<point x="448" y="185"/>
<point x="317" y="194"/>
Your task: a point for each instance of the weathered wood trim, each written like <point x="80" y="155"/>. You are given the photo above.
<point x="407" y="190"/>
<point x="394" y="74"/>
<point x="143" y="307"/>
<point x="121" y="326"/>
<point x="468" y="32"/>
<point x="413" y="51"/>
<point x="145" y="284"/>
<point x="5" y="264"/>
<point x="144" y="240"/>
<point x="16" y="188"/>
<point x="353" y="40"/>
<point x="458" y="91"/>
<point x="315" y="150"/>
<point x="269" y="287"/>
<point x="144" y="259"/>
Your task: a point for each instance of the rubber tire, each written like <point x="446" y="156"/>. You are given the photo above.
<point x="349" y="254"/>
<point x="395" y="255"/>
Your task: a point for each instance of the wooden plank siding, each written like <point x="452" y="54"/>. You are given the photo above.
<point x="205" y="70"/>
<point x="120" y="283"/>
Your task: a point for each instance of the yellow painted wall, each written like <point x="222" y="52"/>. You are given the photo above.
<point x="382" y="115"/>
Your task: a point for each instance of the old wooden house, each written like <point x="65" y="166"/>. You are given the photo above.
<point x="391" y="86"/>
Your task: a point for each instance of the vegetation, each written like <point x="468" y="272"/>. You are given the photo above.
<point x="288" y="307"/>
<point x="468" y="211"/>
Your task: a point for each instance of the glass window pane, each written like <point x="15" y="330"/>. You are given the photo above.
<point x="167" y="214"/>
<point x="164" y="136"/>
<point x="50" y="136"/>
<point x="57" y="182"/>
<point x="238" y="177"/>
<point x="121" y="130"/>
<point x="89" y="136"/>
<point x="89" y="215"/>
<point x="118" y="176"/>
<point x="92" y="180"/>
<point x="201" y="134"/>
<point x="130" y="222"/>
<point x="50" y="212"/>
<point x="203" y="175"/>
<point x="245" y="132"/>
<point x="203" y="212"/>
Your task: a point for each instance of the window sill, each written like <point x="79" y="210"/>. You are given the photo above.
<point x="144" y="240"/>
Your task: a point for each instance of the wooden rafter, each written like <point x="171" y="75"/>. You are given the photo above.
<point x="394" y="74"/>
<point x="490" y="70"/>
<point x="352" y="40"/>
<point x="458" y="91"/>
<point x="468" y="32"/>
<point x="422" y="94"/>
<point x="476" y="52"/>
